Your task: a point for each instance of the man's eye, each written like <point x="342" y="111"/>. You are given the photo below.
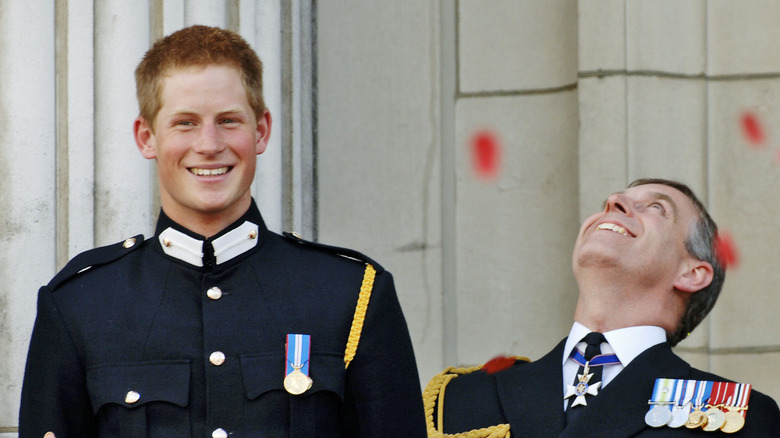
<point x="657" y="206"/>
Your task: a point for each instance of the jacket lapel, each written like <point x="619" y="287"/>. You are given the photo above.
<point x="624" y="400"/>
<point x="532" y="396"/>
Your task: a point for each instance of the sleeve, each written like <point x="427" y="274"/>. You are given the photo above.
<point x="383" y="394"/>
<point x="54" y="392"/>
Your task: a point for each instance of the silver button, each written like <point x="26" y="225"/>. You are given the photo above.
<point x="214" y="293"/>
<point x="132" y="397"/>
<point x="219" y="433"/>
<point x="129" y="243"/>
<point x="217" y="358"/>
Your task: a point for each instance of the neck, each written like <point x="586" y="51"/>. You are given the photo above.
<point x="606" y="303"/>
<point x="207" y="224"/>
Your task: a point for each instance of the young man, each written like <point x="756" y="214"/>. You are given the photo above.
<point x="648" y="273"/>
<point x="216" y="327"/>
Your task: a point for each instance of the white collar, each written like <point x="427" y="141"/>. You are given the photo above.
<point x="627" y="343"/>
<point x="188" y="249"/>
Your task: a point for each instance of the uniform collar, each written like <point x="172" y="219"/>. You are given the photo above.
<point x="627" y="343"/>
<point x="182" y="244"/>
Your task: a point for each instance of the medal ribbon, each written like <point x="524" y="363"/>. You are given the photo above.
<point x="298" y="351"/>
<point x="685" y="390"/>
<point x="601" y="359"/>
<point x="742" y="395"/>
<point x="719" y="391"/>
<point x="703" y="390"/>
<point x="663" y="391"/>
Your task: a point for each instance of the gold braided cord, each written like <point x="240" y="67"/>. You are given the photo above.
<point x="360" y="315"/>
<point x="433" y="397"/>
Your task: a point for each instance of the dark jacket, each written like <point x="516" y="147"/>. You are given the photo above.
<point x="140" y="321"/>
<point x="529" y="397"/>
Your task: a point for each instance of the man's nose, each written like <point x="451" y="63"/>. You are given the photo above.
<point x="619" y="203"/>
<point x="209" y="141"/>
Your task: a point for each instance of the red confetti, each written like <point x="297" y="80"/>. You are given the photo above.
<point x="497" y="364"/>
<point x="726" y="250"/>
<point x="752" y="129"/>
<point x="485" y="154"/>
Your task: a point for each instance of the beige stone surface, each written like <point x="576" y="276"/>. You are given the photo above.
<point x="757" y="368"/>
<point x="743" y="37"/>
<point x="378" y="152"/>
<point x="666" y="130"/>
<point x="667" y="36"/>
<point x="602" y="140"/>
<point x="602" y="35"/>
<point x="743" y="178"/>
<point x="516" y="293"/>
<point x="514" y="45"/>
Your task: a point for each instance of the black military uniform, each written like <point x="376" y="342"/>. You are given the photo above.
<point x="177" y="337"/>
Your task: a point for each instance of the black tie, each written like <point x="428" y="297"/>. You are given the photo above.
<point x="593" y="349"/>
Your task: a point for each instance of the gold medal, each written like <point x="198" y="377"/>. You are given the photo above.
<point x="715" y="419"/>
<point x="297" y="383"/>
<point x="696" y="419"/>
<point x="734" y="420"/>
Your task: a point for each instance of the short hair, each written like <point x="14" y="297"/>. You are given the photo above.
<point x="701" y="244"/>
<point x="197" y="47"/>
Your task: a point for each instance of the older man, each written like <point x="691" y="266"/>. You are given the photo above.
<point x="648" y="273"/>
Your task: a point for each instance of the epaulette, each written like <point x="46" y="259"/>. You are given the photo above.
<point x="94" y="257"/>
<point x="433" y="400"/>
<point x="344" y="252"/>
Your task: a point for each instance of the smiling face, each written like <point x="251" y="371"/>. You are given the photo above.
<point x="205" y="140"/>
<point x="641" y="231"/>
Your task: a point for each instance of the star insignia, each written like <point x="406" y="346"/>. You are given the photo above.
<point x="583" y="388"/>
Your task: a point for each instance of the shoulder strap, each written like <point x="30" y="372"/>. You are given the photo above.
<point x="360" y="315"/>
<point x="433" y="401"/>
<point x="343" y="252"/>
<point x="95" y="257"/>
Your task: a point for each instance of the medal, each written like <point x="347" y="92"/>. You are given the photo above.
<point x="583" y="388"/>
<point x="657" y="416"/>
<point x="661" y="414"/>
<point x="697" y="418"/>
<point x="735" y="409"/>
<point x="296" y="374"/>
<point x="715" y="417"/>
<point x="297" y="383"/>
<point x="682" y="406"/>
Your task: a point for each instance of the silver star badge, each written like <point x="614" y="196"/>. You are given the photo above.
<point x="583" y="388"/>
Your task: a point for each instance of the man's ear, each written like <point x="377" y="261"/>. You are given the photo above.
<point x="263" y="131"/>
<point x="696" y="276"/>
<point x="144" y="138"/>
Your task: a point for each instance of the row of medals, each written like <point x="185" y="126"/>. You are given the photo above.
<point x="728" y="419"/>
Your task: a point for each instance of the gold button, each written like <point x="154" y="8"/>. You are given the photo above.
<point x="217" y="358"/>
<point x="49" y="435"/>
<point x="132" y="397"/>
<point x="253" y="234"/>
<point x="219" y="433"/>
<point x="167" y="242"/>
<point x="296" y="235"/>
<point x="214" y="293"/>
<point x="129" y="243"/>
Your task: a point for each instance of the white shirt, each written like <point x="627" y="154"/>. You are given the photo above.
<point x="626" y="343"/>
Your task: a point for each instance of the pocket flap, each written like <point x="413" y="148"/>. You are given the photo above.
<point x="135" y="384"/>
<point x="263" y="373"/>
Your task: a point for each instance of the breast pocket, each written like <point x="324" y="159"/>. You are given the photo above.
<point x="315" y="413"/>
<point x="265" y="372"/>
<point x="128" y="397"/>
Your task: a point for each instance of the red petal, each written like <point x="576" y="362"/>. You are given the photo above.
<point x="726" y="250"/>
<point x="497" y="364"/>
<point x="752" y="129"/>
